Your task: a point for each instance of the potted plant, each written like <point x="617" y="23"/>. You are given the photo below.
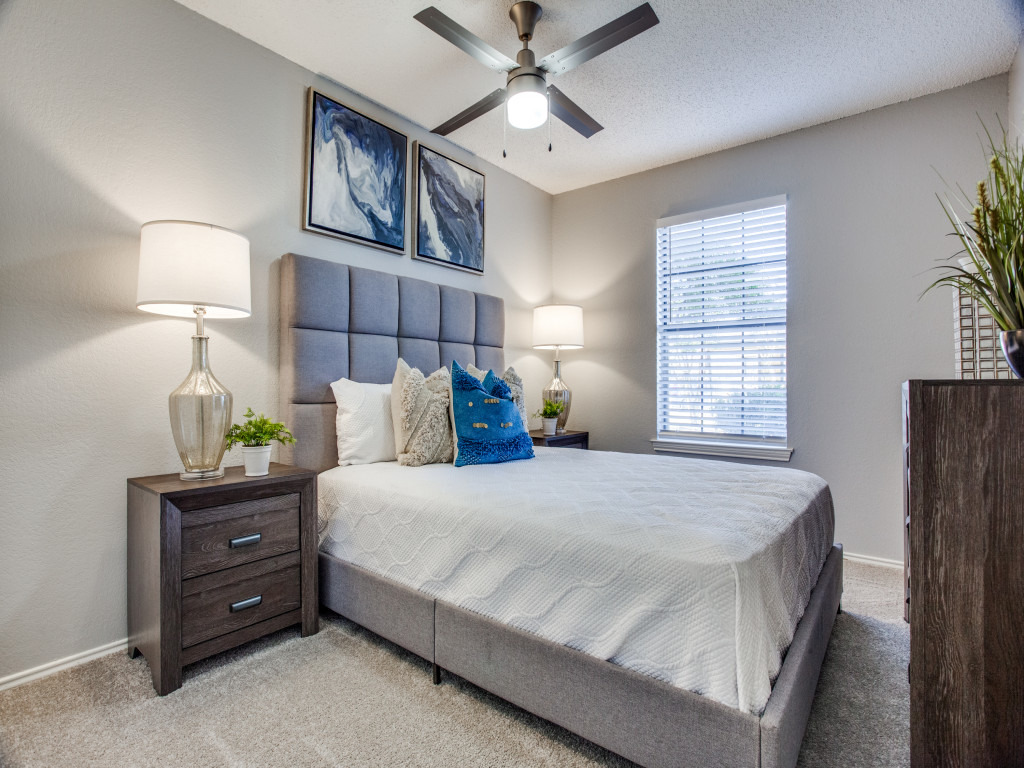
<point x="256" y="435"/>
<point x="549" y="415"/>
<point x="991" y="267"/>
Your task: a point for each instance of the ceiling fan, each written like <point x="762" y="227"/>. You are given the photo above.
<point x="527" y="94"/>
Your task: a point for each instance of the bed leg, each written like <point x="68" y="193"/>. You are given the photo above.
<point x="436" y="674"/>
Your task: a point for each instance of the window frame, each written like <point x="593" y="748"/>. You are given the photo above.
<point x="709" y="444"/>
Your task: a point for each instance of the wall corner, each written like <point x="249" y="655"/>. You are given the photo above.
<point x="1015" y="109"/>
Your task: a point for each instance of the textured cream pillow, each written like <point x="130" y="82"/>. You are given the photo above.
<point x="419" y="411"/>
<point x="365" y="432"/>
<point x="515" y="383"/>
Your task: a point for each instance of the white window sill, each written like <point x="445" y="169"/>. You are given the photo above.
<point x="736" y="450"/>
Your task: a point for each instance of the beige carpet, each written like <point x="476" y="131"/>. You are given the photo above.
<point x="347" y="698"/>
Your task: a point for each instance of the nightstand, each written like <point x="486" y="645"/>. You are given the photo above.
<point x="216" y="563"/>
<point x="571" y="438"/>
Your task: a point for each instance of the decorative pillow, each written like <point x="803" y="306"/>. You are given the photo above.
<point x="515" y="384"/>
<point x="419" y="410"/>
<point x="487" y="426"/>
<point x="365" y="432"/>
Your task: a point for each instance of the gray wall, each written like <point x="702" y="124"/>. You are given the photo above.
<point x="114" y="113"/>
<point x="863" y="229"/>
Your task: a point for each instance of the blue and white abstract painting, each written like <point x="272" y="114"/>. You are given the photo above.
<point x="449" y="212"/>
<point x="356" y="185"/>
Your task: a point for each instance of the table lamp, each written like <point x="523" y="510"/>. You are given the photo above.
<point x="187" y="268"/>
<point x="558" y="327"/>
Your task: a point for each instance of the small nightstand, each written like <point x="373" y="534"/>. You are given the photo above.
<point x="571" y="438"/>
<point x="216" y="563"/>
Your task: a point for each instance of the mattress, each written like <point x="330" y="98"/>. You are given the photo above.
<point x="694" y="572"/>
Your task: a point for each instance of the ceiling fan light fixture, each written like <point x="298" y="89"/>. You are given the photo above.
<point x="527" y="102"/>
<point x="526" y="95"/>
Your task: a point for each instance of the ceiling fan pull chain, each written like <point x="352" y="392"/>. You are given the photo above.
<point x="548" y="94"/>
<point x="504" y="132"/>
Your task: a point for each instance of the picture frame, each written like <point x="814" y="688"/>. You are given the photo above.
<point x="356" y="173"/>
<point x="450" y="211"/>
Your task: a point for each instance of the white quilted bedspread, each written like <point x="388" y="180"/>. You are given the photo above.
<point x="694" y="572"/>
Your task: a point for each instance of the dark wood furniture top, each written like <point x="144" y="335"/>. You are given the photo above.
<point x="216" y="563"/>
<point x="965" y="502"/>
<point x="571" y="438"/>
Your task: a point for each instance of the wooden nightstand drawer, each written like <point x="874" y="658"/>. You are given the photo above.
<point x="229" y="600"/>
<point x="221" y="537"/>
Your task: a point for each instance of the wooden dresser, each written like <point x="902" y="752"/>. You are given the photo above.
<point x="216" y="563"/>
<point x="964" y="499"/>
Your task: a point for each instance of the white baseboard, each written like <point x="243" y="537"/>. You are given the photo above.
<point x="869" y="560"/>
<point x="18" y="678"/>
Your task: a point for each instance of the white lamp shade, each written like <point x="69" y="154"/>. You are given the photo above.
<point x="184" y="264"/>
<point x="558" y="326"/>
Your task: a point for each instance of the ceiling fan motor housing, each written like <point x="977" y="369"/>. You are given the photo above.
<point x="527" y="76"/>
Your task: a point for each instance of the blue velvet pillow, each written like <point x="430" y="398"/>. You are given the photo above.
<point x="487" y="426"/>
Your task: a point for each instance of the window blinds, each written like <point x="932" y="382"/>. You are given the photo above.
<point x="722" y="324"/>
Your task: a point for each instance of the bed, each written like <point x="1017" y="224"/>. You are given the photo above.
<point x="346" y="321"/>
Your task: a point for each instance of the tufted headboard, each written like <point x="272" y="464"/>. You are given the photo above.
<point x="341" y="321"/>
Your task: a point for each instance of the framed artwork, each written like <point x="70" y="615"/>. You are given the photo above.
<point x="449" y="212"/>
<point x="355" y="176"/>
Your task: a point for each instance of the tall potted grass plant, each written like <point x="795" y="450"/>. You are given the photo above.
<point x="990" y="266"/>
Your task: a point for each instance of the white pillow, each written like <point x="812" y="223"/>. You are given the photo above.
<point x="365" y="431"/>
<point x="419" y="411"/>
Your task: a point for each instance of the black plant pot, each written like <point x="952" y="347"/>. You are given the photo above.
<point x="1012" y="343"/>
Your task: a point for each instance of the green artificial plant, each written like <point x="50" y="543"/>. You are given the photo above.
<point x="551" y="410"/>
<point x="258" y="431"/>
<point x="992" y="236"/>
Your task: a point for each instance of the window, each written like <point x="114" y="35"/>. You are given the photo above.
<point x="722" y="331"/>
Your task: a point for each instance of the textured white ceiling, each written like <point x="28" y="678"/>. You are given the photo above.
<point x="712" y="75"/>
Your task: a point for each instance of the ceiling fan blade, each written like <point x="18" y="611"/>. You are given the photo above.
<point x="600" y="40"/>
<point x="482" y="107"/>
<point x="461" y="37"/>
<point x="570" y="113"/>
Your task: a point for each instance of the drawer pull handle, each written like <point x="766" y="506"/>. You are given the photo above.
<point x="251" y="602"/>
<point x="245" y="541"/>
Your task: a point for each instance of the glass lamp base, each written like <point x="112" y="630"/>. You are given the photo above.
<point x="557" y="391"/>
<point x="202" y="474"/>
<point x="200" y="411"/>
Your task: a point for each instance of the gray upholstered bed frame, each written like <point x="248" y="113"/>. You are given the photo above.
<point x="346" y="321"/>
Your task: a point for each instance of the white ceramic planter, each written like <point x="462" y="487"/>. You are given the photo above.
<point x="550" y="425"/>
<point x="257" y="460"/>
